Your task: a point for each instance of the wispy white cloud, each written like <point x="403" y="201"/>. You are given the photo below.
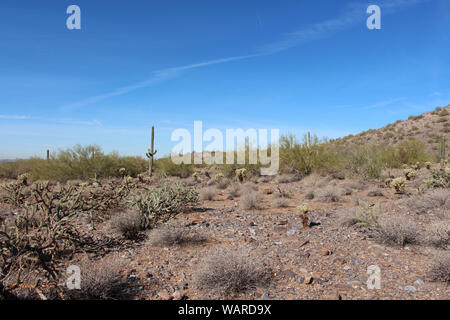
<point x="14" y="117"/>
<point x="354" y="14"/>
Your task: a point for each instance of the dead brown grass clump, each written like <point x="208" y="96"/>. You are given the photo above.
<point x="235" y="190"/>
<point x="397" y="230"/>
<point x="375" y="193"/>
<point x="251" y="200"/>
<point x="309" y="195"/>
<point x="439" y="269"/>
<point x="173" y="234"/>
<point x="229" y="271"/>
<point x="438" y="234"/>
<point x="438" y="198"/>
<point x="207" y="194"/>
<point x="329" y="194"/>
<point x="222" y="185"/>
<point x="128" y="223"/>
<point x="101" y="280"/>
<point x="280" y="203"/>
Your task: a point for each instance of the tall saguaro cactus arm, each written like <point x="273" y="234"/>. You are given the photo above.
<point x="151" y="153"/>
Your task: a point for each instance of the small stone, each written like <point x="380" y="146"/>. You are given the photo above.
<point x="410" y="288"/>
<point x="300" y="279"/>
<point x="309" y="280"/>
<point x="265" y="296"/>
<point x="290" y="232"/>
<point x="230" y="198"/>
<point x="419" y="282"/>
<point x="347" y="268"/>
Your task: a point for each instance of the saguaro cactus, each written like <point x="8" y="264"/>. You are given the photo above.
<point x="442" y="150"/>
<point x="48" y="155"/>
<point x="151" y="153"/>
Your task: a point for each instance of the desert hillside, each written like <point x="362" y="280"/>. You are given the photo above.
<point x="428" y="127"/>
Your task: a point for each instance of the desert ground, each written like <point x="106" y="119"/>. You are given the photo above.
<point x="256" y="226"/>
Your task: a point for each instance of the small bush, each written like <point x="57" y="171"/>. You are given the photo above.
<point x="329" y="194"/>
<point x="101" y="280"/>
<point x="438" y="234"/>
<point x="235" y="190"/>
<point x="231" y="271"/>
<point x="207" y="194"/>
<point x="251" y="200"/>
<point x="280" y="203"/>
<point x="375" y="193"/>
<point x="439" y="269"/>
<point x="173" y="234"/>
<point x="283" y="193"/>
<point x="440" y="178"/>
<point x="163" y="203"/>
<point x="128" y="223"/>
<point x="438" y="198"/>
<point x="397" y="230"/>
<point x="309" y="195"/>
<point x="363" y="215"/>
<point x="223" y="184"/>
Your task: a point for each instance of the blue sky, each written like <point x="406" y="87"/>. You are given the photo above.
<point x="293" y="65"/>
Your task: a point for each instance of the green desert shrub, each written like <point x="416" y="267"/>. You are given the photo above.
<point x="163" y="203"/>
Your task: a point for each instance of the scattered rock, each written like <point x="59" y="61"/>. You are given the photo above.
<point x="265" y="296"/>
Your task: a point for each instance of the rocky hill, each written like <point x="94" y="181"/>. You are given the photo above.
<point x="428" y="127"/>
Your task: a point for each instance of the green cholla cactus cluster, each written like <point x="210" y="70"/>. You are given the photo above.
<point x="163" y="203"/>
<point x="399" y="184"/>
<point x="440" y="178"/>
<point x="416" y="166"/>
<point x="387" y="181"/>
<point x="197" y="177"/>
<point x="219" y="177"/>
<point x="23" y="178"/>
<point x="303" y="209"/>
<point x="240" y="174"/>
<point x="367" y="215"/>
<point x="122" y="172"/>
<point x="409" y="173"/>
<point x="428" y="165"/>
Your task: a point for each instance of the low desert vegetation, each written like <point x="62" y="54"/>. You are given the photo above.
<point x="329" y="194"/>
<point x="280" y="203"/>
<point x="129" y="223"/>
<point x="101" y="280"/>
<point x="230" y="271"/>
<point x="172" y="234"/>
<point x="207" y="194"/>
<point x="363" y="215"/>
<point x="251" y="200"/>
<point x="397" y="230"/>
<point x="438" y="234"/>
<point x="439" y="268"/>
<point x="234" y="190"/>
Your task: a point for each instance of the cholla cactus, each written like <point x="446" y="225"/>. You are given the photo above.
<point x="196" y="177"/>
<point x="218" y="177"/>
<point x="428" y="165"/>
<point x="399" y="184"/>
<point x="416" y="166"/>
<point x="303" y="209"/>
<point x="410" y="173"/>
<point x="122" y="172"/>
<point x="387" y="181"/>
<point x="23" y="178"/>
<point x="240" y="174"/>
<point x="404" y="166"/>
